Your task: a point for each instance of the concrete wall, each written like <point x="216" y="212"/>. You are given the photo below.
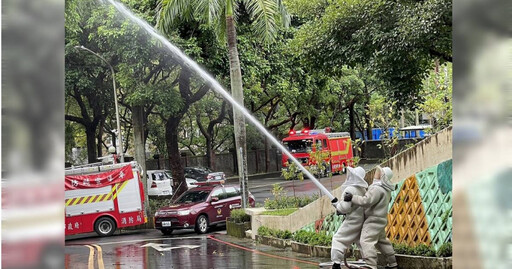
<point x="372" y="150"/>
<point x="427" y="153"/>
<point x="295" y="221"/>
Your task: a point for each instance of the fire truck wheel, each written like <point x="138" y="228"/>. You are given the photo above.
<point x="201" y="224"/>
<point x="166" y="231"/>
<point x="105" y="226"/>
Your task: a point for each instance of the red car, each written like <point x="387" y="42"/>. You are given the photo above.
<point x="200" y="208"/>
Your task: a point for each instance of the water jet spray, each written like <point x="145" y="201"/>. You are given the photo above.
<point x="192" y="65"/>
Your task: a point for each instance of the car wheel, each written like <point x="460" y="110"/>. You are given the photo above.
<point x="105" y="226"/>
<point x="166" y="231"/>
<point x="201" y="224"/>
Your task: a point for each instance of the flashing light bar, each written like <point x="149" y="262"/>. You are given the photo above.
<point x="304" y="131"/>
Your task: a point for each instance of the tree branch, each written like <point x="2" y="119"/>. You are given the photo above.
<point x="75" y="119"/>
<point x="441" y="55"/>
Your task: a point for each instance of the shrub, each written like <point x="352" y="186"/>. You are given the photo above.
<point x="280" y="212"/>
<point x="155" y="204"/>
<point x="239" y="216"/>
<point x="280" y="202"/>
<point x="265" y="231"/>
<point x="403" y="249"/>
<point x="445" y="250"/>
<point x="283" y="234"/>
<point x="312" y="238"/>
<point x="424" y="250"/>
<point x="419" y="250"/>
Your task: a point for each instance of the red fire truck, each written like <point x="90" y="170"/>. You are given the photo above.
<point x="104" y="197"/>
<point x="335" y="149"/>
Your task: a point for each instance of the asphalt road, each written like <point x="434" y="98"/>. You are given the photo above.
<point x="184" y="249"/>
<point x="261" y="188"/>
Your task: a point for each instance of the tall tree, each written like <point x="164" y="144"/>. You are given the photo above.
<point x="88" y="82"/>
<point x="208" y="131"/>
<point x="265" y="16"/>
<point x="397" y="40"/>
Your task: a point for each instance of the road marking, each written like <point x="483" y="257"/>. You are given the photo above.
<point x="91" y="257"/>
<point x="259" y="252"/>
<point x="149" y="239"/>
<point x="165" y="247"/>
<point x="100" y="256"/>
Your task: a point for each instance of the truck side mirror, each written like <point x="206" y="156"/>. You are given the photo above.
<point x="215" y="199"/>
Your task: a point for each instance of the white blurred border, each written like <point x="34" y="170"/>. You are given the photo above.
<point x="482" y="178"/>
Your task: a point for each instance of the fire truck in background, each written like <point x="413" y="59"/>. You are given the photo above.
<point x="333" y="149"/>
<point x="103" y="198"/>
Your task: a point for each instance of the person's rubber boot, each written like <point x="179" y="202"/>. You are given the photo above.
<point x="336" y="266"/>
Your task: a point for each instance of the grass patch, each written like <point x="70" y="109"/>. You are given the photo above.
<point x="280" y="212"/>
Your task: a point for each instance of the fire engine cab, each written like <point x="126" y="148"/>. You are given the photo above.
<point x="335" y="149"/>
<point x="103" y="198"/>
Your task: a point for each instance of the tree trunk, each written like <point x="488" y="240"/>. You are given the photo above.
<point x="210" y="153"/>
<point x="238" y="95"/>
<point x="140" y="146"/>
<point x="267" y="155"/>
<point x="352" y="121"/>
<point x="367" y="120"/>
<point x="312" y="122"/>
<point x="173" y="151"/>
<point x="90" y="132"/>
<point x="99" y="139"/>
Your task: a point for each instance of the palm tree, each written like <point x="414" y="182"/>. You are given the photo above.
<point x="266" y="16"/>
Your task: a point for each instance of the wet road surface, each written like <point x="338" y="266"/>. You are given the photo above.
<point x="261" y="188"/>
<point x="185" y="249"/>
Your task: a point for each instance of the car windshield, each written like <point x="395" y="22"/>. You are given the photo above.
<point x="193" y="197"/>
<point x="299" y="145"/>
<point x="160" y="176"/>
<point x="207" y="170"/>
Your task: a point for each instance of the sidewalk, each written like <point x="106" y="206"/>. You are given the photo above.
<point x="302" y="260"/>
<point x="286" y="254"/>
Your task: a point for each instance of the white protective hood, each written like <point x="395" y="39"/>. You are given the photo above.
<point x="355" y="177"/>
<point x="385" y="178"/>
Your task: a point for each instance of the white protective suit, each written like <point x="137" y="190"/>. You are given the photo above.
<point x="373" y="235"/>
<point x="350" y="230"/>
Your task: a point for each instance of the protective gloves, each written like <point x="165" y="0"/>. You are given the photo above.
<point x="348" y="197"/>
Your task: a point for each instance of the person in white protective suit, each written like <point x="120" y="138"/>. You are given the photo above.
<point x="350" y="230"/>
<point x="375" y="202"/>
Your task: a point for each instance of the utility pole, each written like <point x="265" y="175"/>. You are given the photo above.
<point x="119" y="134"/>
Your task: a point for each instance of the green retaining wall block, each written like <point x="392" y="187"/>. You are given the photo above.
<point x="310" y="227"/>
<point x="444" y="176"/>
<point x="440" y="223"/>
<point x="443" y="233"/>
<point x="332" y="223"/>
<point x="427" y="180"/>
<point x="394" y="193"/>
